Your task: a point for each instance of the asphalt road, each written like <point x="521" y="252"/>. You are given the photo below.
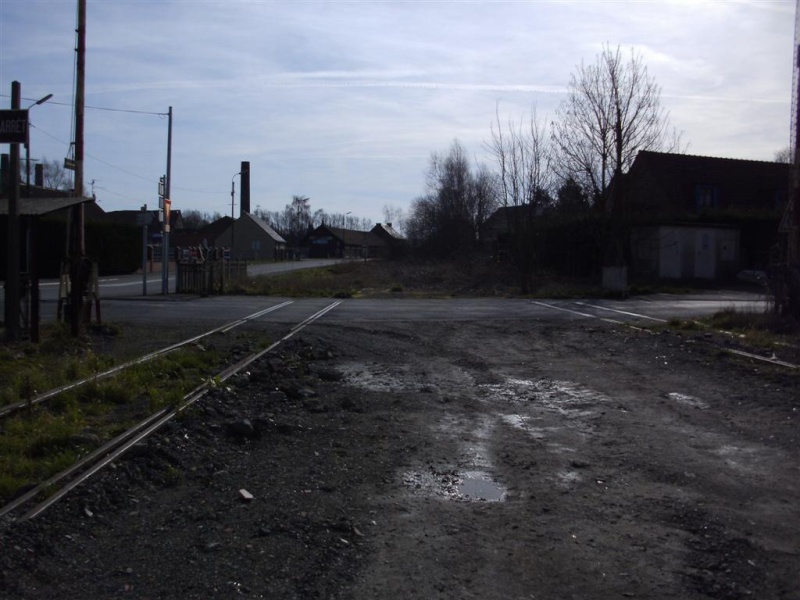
<point x="122" y="300"/>
<point x="212" y="311"/>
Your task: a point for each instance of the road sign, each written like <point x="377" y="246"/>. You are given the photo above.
<point x="13" y="126"/>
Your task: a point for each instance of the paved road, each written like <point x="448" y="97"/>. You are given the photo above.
<point x="216" y="310"/>
<point x="122" y="301"/>
<point x="149" y="287"/>
<point x="125" y="286"/>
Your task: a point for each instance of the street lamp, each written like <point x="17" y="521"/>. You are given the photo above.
<point x="28" y="147"/>
<point x="233" y="220"/>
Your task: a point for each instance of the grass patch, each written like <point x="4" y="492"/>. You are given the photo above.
<point x="375" y="279"/>
<point x="41" y="440"/>
<point x="28" y="369"/>
<point x="761" y="332"/>
<point x="468" y="277"/>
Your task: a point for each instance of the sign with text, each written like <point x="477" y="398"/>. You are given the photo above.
<point x="13" y="126"/>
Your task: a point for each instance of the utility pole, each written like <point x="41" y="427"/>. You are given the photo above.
<point x="78" y="245"/>
<point x="166" y="205"/>
<point x="12" y="292"/>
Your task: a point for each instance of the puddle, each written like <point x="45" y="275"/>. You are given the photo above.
<point x="479" y="486"/>
<point x="469" y="486"/>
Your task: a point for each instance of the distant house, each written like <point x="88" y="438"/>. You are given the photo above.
<point x="396" y="244"/>
<point x="251" y="238"/>
<point x="334" y="242"/>
<point x="206" y="236"/>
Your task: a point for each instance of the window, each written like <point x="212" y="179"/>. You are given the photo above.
<point x="706" y="196"/>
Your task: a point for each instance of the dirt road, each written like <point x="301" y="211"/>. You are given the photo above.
<point x="512" y="459"/>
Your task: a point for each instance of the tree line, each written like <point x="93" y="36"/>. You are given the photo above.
<point x="292" y="223"/>
<point x="611" y="111"/>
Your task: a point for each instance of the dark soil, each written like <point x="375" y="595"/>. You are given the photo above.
<point x="510" y="459"/>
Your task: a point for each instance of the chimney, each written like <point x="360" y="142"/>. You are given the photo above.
<point x="38" y="175"/>
<point x="244" y="195"/>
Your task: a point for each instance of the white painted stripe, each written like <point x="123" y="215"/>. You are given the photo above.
<point x="577" y="312"/>
<point x="622" y="312"/>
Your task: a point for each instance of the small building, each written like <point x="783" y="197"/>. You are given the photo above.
<point x="251" y="238"/>
<point x="396" y="244"/>
<point x="334" y="242"/>
<point x="700" y="217"/>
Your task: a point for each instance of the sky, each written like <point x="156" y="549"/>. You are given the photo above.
<point x="345" y="101"/>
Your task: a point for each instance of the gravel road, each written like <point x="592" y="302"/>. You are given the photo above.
<point x="504" y="459"/>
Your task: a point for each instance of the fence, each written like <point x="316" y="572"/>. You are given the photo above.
<point x="210" y="277"/>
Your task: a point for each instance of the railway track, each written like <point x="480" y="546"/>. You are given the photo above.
<point x="10" y="409"/>
<point x="31" y="504"/>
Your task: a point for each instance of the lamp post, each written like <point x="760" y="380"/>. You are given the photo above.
<point x="233" y="219"/>
<point x="28" y="148"/>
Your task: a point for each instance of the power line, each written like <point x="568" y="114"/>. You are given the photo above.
<point x="104" y="108"/>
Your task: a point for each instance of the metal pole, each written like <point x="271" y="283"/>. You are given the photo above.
<point x="28" y="163"/>
<point x="78" y="248"/>
<point x="165" y="234"/>
<point x="12" y="268"/>
<point x="144" y="250"/>
<point x="233" y="219"/>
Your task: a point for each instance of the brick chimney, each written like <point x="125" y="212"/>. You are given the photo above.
<point x="244" y="196"/>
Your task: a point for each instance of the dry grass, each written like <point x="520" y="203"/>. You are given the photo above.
<point x="415" y="279"/>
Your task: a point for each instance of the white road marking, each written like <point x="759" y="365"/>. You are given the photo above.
<point x="622" y="312"/>
<point x="580" y="314"/>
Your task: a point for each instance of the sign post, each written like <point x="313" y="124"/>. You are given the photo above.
<point x="14" y="126"/>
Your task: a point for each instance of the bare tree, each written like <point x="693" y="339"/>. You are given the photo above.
<point x="611" y="112"/>
<point x="448" y="220"/>
<point x="194" y="219"/>
<point x="297" y="217"/>
<point x="396" y="216"/>
<point x="522" y="151"/>
<point x="56" y="177"/>
<point x="484" y="198"/>
<point x="784" y="155"/>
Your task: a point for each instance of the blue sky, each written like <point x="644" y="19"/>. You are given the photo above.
<point x="344" y="102"/>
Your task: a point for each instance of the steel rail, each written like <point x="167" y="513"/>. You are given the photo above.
<point x="88" y="459"/>
<point x="115" y="448"/>
<point x="12" y="408"/>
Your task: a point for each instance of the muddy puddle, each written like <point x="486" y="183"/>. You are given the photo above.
<point x="466" y="486"/>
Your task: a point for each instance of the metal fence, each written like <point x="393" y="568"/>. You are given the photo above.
<point x="210" y="277"/>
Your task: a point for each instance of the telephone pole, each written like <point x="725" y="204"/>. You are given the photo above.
<point x="78" y="245"/>
<point x="12" y="292"/>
